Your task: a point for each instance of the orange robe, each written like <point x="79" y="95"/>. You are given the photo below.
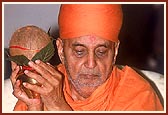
<point x="125" y="90"/>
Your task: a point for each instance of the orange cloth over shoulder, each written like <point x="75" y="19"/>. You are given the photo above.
<point x="103" y="20"/>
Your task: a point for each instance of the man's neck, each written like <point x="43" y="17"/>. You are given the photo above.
<point x="75" y="94"/>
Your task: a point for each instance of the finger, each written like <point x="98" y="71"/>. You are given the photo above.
<point x="52" y="79"/>
<point x="38" y="68"/>
<point x="41" y="90"/>
<point x="56" y="78"/>
<point x="18" y="92"/>
<point x="51" y="69"/>
<point x="13" y="75"/>
<point x="47" y="84"/>
<point x="13" y="65"/>
<point x="42" y="69"/>
<point x="37" y="77"/>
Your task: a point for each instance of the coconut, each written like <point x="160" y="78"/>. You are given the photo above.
<point x="31" y="38"/>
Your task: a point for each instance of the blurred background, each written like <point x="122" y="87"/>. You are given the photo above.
<point x="141" y="37"/>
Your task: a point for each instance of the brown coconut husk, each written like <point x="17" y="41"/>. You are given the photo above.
<point x="30" y="37"/>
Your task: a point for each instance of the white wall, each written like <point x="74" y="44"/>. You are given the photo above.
<point x="19" y="15"/>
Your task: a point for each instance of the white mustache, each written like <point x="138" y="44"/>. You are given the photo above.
<point x="90" y="72"/>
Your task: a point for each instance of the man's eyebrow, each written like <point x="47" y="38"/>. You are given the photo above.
<point x="102" y="45"/>
<point x="106" y="45"/>
<point x="78" y="44"/>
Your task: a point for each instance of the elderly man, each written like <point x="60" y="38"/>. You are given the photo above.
<point x="87" y="79"/>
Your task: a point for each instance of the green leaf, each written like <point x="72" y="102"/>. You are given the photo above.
<point x="46" y="53"/>
<point x="21" y="60"/>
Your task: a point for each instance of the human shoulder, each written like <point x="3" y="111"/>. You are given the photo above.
<point x="133" y="86"/>
<point x="140" y="80"/>
<point x="133" y="77"/>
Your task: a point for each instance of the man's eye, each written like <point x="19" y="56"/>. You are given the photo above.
<point x="79" y="53"/>
<point x="101" y="53"/>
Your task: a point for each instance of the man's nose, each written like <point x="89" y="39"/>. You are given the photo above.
<point x="91" y="61"/>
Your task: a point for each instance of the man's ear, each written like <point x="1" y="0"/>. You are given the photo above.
<point x="116" y="51"/>
<point x="59" y="44"/>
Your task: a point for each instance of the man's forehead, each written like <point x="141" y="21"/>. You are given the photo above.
<point x="88" y="40"/>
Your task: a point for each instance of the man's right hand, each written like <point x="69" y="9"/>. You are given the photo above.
<point x="51" y="90"/>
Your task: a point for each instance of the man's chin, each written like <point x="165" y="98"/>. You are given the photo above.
<point x="86" y="92"/>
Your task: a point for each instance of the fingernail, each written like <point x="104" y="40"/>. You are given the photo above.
<point x="24" y="83"/>
<point x="37" y="61"/>
<point x="30" y="63"/>
<point x="17" y="80"/>
<point x="26" y="71"/>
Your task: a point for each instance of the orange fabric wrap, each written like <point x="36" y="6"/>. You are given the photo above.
<point x="20" y="106"/>
<point x="103" y="20"/>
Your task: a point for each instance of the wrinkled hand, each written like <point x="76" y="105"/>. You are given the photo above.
<point x="33" y="104"/>
<point x="51" y="90"/>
